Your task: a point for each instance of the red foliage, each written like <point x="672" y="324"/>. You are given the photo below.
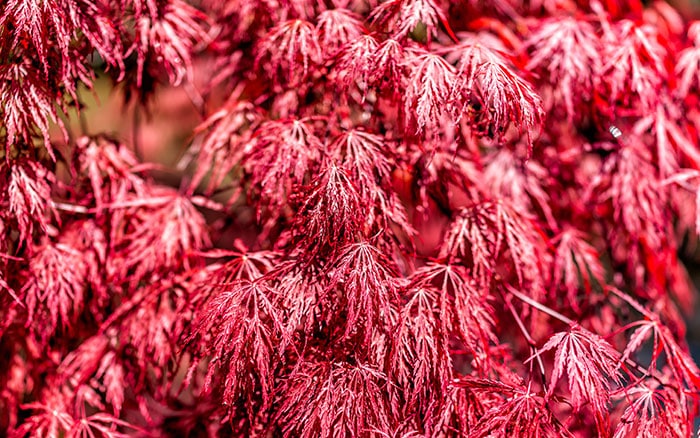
<point x="590" y="365"/>
<point x="400" y="218"/>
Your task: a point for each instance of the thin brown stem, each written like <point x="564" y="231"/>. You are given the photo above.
<point x="541" y="307"/>
<point x="533" y="345"/>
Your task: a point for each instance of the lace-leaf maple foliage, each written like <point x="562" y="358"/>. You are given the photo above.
<point x="398" y="218"/>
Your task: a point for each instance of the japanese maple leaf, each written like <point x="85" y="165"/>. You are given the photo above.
<point x="653" y="412"/>
<point x="290" y="50"/>
<point x="567" y="52"/>
<point x="591" y="366"/>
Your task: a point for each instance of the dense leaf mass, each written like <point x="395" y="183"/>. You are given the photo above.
<point x="400" y="218"/>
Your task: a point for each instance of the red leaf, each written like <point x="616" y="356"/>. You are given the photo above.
<point x="245" y="328"/>
<point x="591" y="366"/>
<point x="567" y="52"/>
<point x="654" y="412"/>
<point x="289" y="50"/>
<point x="501" y="95"/>
<point x="429" y="85"/>
<point x="323" y="399"/>
<point x="29" y="190"/>
<point x="167" y="36"/>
